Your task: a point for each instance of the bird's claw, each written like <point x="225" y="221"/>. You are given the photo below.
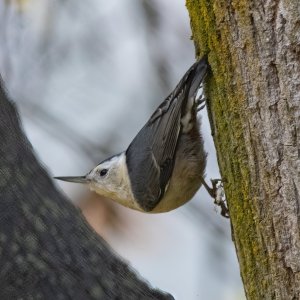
<point x="200" y="102"/>
<point x="217" y="192"/>
<point x="219" y="196"/>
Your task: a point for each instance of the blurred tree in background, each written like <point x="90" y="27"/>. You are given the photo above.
<point x="47" y="251"/>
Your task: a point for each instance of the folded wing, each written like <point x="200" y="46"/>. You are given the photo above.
<point x="151" y="155"/>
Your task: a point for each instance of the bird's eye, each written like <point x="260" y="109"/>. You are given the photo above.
<point x="103" y="172"/>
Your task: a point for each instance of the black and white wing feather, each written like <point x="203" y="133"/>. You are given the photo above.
<point x="151" y="155"/>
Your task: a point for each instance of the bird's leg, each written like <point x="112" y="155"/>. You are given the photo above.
<point x="217" y="192"/>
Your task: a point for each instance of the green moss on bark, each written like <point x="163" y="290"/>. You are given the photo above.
<point x="212" y="35"/>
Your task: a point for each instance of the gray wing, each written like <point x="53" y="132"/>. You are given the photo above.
<point x="151" y="155"/>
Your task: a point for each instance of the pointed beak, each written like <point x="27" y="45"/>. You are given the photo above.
<point x="76" y="179"/>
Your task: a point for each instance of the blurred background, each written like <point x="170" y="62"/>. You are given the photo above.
<point x="86" y="75"/>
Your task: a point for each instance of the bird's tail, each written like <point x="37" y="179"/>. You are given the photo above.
<point x="192" y="79"/>
<point x="197" y="74"/>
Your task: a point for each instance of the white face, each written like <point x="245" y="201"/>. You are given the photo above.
<point x="110" y="179"/>
<point x="105" y="178"/>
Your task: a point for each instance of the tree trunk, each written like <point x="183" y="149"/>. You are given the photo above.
<point x="254" y="106"/>
<point x="47" y="250"/>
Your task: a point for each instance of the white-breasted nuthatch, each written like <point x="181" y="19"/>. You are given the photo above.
<point x="164" y="165"/>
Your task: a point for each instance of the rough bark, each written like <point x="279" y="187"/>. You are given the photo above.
<point x="254" y="107"/>
<point x="47" y="250"/>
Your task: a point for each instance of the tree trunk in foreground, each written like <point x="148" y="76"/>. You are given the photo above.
<point x="47" y="250"/>
<point x="254" y="106"/>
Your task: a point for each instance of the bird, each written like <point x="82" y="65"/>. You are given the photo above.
<point x="164" y="165"/>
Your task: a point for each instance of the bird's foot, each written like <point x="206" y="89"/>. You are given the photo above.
<point x="217" y="192"/>
<point x="199" y="102"/>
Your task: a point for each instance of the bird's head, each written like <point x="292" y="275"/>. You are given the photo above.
<point x="109" y="178"/>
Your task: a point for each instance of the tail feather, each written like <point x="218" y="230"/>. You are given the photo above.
<point x="198" y="74"/>
<point x="192" y="78"/>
